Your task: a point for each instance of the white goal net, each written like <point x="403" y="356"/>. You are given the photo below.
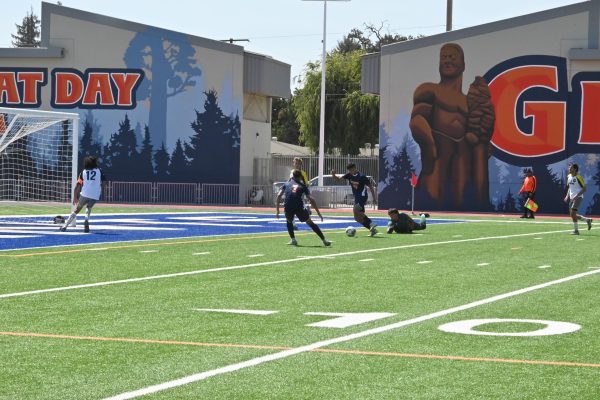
<point x="38" y="162"/>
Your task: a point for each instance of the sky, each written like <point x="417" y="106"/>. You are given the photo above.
<point x="288" y="30"/>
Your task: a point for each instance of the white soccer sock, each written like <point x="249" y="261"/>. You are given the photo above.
<point x="87" y="214"/>
<point x="71" y="218"/>
<point x="576" y="225"/>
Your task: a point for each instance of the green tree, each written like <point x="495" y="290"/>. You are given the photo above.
<point x="145" y="167"/>
<point x="28" y="32"/>
<point x="352" y="118"/>
<point x="284" y="125"/>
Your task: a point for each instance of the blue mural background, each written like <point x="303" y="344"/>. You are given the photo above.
<point x="180" y="131"/>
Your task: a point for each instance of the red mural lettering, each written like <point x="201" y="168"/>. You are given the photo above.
<point x="589" y="132"/>
<point x="98" y="84"/>
<point x="125" y="84"/>
<point x="9" y="93"/>
<point x="68" y="88"/>
<point x="31" y="83"/>
<point x="549" y="118"/>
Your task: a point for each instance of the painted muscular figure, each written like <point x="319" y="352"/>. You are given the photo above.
<point x="453" y="131"/>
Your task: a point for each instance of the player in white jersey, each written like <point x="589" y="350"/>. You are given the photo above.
<point x="575" y="190"/>
<point x="87" y="191"/>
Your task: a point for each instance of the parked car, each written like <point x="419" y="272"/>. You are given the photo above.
<point x="340" y="189"/>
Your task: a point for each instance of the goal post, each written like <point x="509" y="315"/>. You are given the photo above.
<point x="38" y="157"/>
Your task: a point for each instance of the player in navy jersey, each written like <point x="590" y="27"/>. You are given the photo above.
<point x="359" y="184"/>
<point x="87" y="191"/>
<point x="293" y="206"/>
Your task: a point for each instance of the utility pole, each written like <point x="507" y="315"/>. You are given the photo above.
<point x="323" y="80"/>
<point x="448" y="15"/>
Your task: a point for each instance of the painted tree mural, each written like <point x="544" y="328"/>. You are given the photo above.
<point x="170" y="66"/>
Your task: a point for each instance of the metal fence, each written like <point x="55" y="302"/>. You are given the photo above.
<point x="277" y="167"/>
<point x="216" y="194"/>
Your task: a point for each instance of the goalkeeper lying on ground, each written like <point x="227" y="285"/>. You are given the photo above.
<point x="402" y="223"/>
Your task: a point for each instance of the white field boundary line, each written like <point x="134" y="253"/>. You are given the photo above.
<point x="313" y="346"/>
<point x="265" y="263"/>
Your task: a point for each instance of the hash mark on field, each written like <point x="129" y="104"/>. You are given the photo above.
<point x="148" y="251"/>
<point x="201" y="253"/>
<point x="250" y="312"/>
<point x="516" y="248"/>
<point x="482" y="264"/>
<point x="255" y="255"/>
<point x="578" y="240"/>
<point x="537" y="238"/>
<point x="424" y="262"/>
<point x="367" y="259"/>
<point x="340" y="339"/>
<point x="457" y="236"/>
<point x="98" y="249"/>
<point x="544" y="266"/>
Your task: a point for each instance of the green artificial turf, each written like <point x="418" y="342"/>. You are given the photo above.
<point x="446" y="266"/>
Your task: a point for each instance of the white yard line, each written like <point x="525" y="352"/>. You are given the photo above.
<point x="265" y="263"/>
<point x="310" y="347"/>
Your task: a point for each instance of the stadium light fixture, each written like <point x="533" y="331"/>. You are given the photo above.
<point x="323" y="79"/>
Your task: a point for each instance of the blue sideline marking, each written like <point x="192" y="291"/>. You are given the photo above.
<point x="39" y="232"/>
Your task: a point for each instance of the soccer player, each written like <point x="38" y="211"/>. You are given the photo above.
<point x="87" y="191"/>
<point x="575" y="190"/>
<point x="292" y="192"/>
<point x="403" y="223"/>
<point x="359" y="184"/>
<point x="298" y="165"/>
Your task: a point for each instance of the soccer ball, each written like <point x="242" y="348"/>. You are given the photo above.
<point x="350" y="231"/>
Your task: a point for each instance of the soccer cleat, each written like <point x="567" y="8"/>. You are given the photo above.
<point x="326" y="242"/>
<point x="86" y="227"/>
<point x="293" y="242"/>
<point x="589" y="223"/>
<point x="373" y="230"/>
<point x="531" y="216"/>
<point x="575" y="233"/>
<point x="63" y="228"/>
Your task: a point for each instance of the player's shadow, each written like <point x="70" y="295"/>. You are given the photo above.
<point x="313" y="245"/>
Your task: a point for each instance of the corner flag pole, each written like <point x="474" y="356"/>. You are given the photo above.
<point x="413" y="182"/>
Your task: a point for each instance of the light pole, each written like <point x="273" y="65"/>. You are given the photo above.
<point x="448" y="15"/>
<point x="323" y="79"/>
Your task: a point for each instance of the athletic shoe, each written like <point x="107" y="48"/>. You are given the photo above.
<point x="293" y="242"/>
<point x="63" y="228"/>
<point x="575" y="233"/>
<point x="326" y="242"/>
<point x="86" y="227"/>
<point x="523" y="216"/>
<point x="531" y="217"/>
<point x="589" y="222"/>
<point x="373" y="230"/>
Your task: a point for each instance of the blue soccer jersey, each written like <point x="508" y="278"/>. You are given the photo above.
<point x="293" y="192"/>
<point x="359" y="184"/>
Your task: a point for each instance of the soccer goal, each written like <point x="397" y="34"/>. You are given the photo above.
<point x="38" y="163"/>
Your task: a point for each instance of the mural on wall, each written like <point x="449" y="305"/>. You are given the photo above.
<point x="470" y="149"/>
<point x="151" y="121"/>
